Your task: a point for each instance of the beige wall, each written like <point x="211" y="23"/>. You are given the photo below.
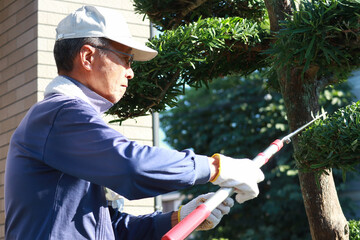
<point x="27" y="32"/>
<point x="18" y="57"/>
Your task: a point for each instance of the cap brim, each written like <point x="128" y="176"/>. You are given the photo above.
<point x="140" y="51"/>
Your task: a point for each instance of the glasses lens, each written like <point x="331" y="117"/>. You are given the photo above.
<point x="130" y="59"/>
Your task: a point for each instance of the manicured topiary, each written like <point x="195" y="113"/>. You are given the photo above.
<point x="333" y="142"/>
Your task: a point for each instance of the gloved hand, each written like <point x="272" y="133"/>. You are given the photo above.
<point x="215" y="216"/>
<point x="241" y="174"/>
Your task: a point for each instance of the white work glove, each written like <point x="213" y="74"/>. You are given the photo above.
<point x="114" y="199"/>
<point x="241" y="174"/>
<point x="215" y="216"/>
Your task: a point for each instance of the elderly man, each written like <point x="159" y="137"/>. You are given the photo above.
<point x="63" y="155"/>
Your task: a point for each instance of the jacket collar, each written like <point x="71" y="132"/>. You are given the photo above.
<point x="72" y="88"/>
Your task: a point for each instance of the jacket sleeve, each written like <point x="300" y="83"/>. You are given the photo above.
<point x="151" y="226"/>
<point x="81" y="144"/>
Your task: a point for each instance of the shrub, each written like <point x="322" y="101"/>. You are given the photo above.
<point x="354" y="229"/>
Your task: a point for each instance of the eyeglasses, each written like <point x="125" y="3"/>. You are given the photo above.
<point x="129" y="61"/>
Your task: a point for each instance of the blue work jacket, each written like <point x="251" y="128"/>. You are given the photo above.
<point x="61" y="157"/>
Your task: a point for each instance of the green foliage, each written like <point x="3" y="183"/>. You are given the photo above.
<point x="333" y="142"/>
<point x="240" y="117"/>
<point x="213" y="41"/>
<point x="324" y="34"/>
<point x="169" y="14"/>
<point x="354" y="230"/>
<point x="193" y="54"/>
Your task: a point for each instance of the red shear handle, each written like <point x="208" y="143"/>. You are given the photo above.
<point x="188" y="224"/>
<point x="263" y="157"/>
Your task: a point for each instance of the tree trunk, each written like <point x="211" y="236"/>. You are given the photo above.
<point x="323" y="209"/>
<point x="325" y="216"/>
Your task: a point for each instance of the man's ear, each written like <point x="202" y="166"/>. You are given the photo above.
<point x="86" y="55"/>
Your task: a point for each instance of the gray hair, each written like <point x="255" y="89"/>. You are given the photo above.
<point x="66" y="50"/>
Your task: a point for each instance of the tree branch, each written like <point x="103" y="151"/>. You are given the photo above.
<point x="190" y="6"/>
<point x="277" y="10"/>
<point x="158" y="99"/>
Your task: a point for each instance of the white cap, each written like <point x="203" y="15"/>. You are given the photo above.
<point x="90" y="21"/>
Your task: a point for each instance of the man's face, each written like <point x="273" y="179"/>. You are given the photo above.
<point x="112" y="72"/>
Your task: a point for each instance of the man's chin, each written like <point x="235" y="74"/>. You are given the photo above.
<point x="118" y="98"/>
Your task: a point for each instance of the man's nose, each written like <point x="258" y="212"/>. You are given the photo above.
<point x="129" y="73"/>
